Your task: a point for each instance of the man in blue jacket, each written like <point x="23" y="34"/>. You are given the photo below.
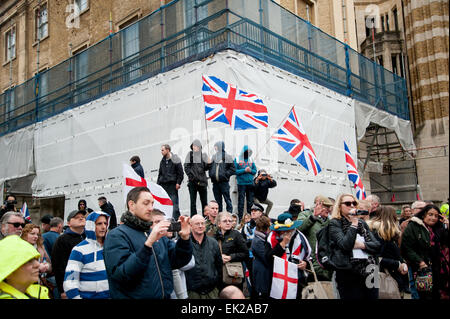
<point x="245" y="170"/>
<point x="139" y="260"/>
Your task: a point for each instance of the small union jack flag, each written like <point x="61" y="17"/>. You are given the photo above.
<point x="353" y="175"/>
<point x="293" y="139"/>
<point x="227" y="104"/>
<point x="26" y="212"/>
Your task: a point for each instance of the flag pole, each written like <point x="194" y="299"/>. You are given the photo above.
<point x="284" y="119"/>
<point x="206" y="128"/>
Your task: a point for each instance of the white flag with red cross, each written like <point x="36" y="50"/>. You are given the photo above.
<point x="162" y="199"/>
<point x="285" y="279"/>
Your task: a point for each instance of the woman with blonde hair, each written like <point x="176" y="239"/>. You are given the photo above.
<point x="32" y="234"/>
<point x="386" y="229"/>
<point x="354" y="247"/>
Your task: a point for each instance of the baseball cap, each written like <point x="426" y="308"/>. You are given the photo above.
<point x="46" y="219"/>
<point x="76" y="212"/>
<point x="325" y="200"/>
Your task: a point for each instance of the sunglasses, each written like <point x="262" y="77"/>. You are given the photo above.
<point x="17" y="225"/>
<point x="348" y="204"/>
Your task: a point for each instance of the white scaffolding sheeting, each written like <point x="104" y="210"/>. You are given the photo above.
<point x="79" y="153"/>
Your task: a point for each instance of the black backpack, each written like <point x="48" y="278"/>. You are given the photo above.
<point x="323" y="249"/>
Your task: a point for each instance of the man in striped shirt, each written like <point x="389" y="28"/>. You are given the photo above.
<point x="85" y="276"/>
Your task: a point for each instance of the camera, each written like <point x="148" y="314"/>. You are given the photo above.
<point x="360" y="212"/>
<point x="174" y="227"/>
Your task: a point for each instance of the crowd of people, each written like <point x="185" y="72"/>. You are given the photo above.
<point x="218" y="254"/>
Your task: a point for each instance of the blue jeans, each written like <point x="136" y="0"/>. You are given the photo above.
<point x="412" y="286"/>
<point x="243" y="192"/>
<point x="222" y="189"/>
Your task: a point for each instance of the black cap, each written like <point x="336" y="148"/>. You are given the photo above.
<point x="74" y="213"/>
<point x="46" y="219"/>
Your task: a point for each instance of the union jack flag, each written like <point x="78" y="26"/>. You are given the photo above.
<point x="293" y="139"/>
<point x="353" y="175"/>
<point x="25" y="212"/>
<point x="227" y="104"/>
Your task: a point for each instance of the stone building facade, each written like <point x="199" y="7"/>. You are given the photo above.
<point x="411" y="40"/>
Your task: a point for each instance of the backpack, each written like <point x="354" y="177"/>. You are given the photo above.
<point x="323" y="249"/>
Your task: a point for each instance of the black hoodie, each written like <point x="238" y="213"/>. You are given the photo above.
<point x="196" y="165"/>
<point x="222" y="166"/>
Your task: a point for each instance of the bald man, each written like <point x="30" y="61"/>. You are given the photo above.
<point x="204" y="279"/>
<point x="231" y="292"/>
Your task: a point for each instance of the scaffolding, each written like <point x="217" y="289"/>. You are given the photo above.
<point x="392" y="169"/>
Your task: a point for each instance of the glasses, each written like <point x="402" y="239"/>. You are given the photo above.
<point x="227" y="221"/>
<point x="17" y="225"/>
<point x="348" y="204"/>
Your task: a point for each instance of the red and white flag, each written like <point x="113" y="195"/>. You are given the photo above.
<point x="285" y="279"/>
<point x="162" y="199"/>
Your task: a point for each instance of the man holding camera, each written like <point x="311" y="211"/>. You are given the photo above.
<point x="139" y="257"/>
<point x="9" y="205"/>
<point x="263" y="182"/>
<point x="313" y="221"/>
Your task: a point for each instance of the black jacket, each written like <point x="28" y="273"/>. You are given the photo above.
<point x="61" y="252"/>
<point x="222" y="166"/>
<point x="109" y="209"/>
<point x="262" y="188"/>
<point x="342" y="243"/>
<point x="233" y="245"/>
<point x="196" y="165"/>
<point x="170" y="171"/>
<point x="207" y="273"/>
<point x="262" y="264"/>
<point x="390" y="255"/>
<point x="138" y="169"/>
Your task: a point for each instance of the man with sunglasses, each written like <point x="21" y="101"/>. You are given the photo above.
<point x="12" y="223"/>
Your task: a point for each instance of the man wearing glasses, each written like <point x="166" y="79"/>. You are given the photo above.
<point x="12" y="223"/>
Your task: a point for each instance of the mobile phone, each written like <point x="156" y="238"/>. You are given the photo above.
<point x="174" y="227"/>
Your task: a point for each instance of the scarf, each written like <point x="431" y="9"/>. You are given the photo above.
<point x="134" y="222"/>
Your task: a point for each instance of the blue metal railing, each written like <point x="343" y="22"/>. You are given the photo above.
<point x="259" y="28"/>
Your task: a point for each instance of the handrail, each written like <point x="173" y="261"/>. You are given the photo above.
<point x="194" y="42"/>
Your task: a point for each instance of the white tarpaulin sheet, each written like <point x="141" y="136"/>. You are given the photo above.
<point x="16" y="157"/>
<point x="80" y="152"/>
<point x="365" y="114"/>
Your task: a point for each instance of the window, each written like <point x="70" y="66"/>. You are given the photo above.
<point x="380" y="60"/>
<point x="394" y="64"/>
<point x="387" y="22"/>
<point x="402" y="70"/>
<point x="196" y="11"/>
<point x="10" y="44"/>
<point x="395" y="14"/>
<point x="369" y="22"/>
<point x="82" y="5"/>
<point x="382" y="24"/>
<point x="81" y="68"/>
<point x="42" y="88"/>
<point x="130" y="49"/>
<point x="41" y="22"/>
